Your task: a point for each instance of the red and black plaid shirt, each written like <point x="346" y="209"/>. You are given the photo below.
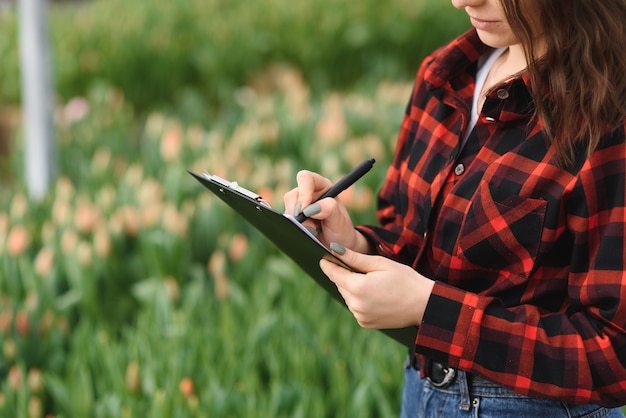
<point x="529" y="258"/>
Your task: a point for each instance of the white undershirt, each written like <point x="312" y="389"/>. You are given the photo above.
<point x="484" y="65"/>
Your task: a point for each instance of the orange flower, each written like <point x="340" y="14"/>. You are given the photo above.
<point x="17" y="241"/>
<point x="332" y="128"/>
<point x="86" y="217"/>
<point x="186" y="387"/>
<point x="238" y="247"/>
<point x="129" y="220"/>
<point x="22" y="323"/>
<point x="171" y="288"/>
<point x="171" y="142"/>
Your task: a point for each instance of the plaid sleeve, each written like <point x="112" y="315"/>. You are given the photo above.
<point x="577" y="354"/>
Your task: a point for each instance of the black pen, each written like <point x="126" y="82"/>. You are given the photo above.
<point x="347" y="181"/>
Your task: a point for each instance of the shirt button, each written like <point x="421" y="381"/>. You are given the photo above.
<point x="459" y="169"/>
<point x="502" y="94"/>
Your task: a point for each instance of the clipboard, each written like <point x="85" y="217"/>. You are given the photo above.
<point x="289" y="236"/>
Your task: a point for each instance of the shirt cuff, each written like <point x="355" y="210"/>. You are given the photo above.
<point x="450" y="328"/>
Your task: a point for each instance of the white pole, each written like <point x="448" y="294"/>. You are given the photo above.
<point x="37" y="100"/>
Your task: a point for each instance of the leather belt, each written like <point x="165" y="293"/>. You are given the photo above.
<point x="441" y="375"/>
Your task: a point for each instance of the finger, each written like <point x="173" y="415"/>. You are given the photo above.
<point x="290" y="200"/>
<point x="336" y="273"/>
<point x="310" y="185"/>
<point x="359" y="262"/>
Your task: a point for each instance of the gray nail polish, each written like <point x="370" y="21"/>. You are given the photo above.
<point x="312" y="231"/>
<point x="298" y="209"/>
<point x="311" y="210"/>
<point x="338" y="248"/>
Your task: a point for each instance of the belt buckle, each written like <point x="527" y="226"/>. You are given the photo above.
<point x="449" y="374"/>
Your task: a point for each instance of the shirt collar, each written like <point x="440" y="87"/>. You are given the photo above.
<point x="454" y="59"/>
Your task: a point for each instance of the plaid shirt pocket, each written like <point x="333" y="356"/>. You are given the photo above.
<point x="502" y="231"/>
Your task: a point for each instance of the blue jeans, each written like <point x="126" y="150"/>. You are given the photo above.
<point x="420" y="399"/>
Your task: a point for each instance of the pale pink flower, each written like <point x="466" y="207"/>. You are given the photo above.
<point x="31" y="303"/>
<point x="216" y="268"/>
<point x="64" y="188"/>
<point x="69" y="241"/>
<point x="238" y="247"/>
<point x="35" y="380"/>
<point x="15" y="378"/>
<point x="332" y="127"/>
<point x="44" y="262"/>
<point x="61" y="212"/>
<point x="173" y="221"/>
<point x="17" y="242"/>
<point x="75" y="110"/>
<point x="102" y="242"/>
<point x="86" y="217"/>
<point x="150" y="215"/>
<point x="171" y="143"/>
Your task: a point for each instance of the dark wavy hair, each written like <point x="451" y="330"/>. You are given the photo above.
<point x="579" y="84"/>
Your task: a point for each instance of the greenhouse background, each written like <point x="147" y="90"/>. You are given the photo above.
<point x="127" y="290"/>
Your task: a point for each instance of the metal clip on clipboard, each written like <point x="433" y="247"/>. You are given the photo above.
<point x="233" y="185"/>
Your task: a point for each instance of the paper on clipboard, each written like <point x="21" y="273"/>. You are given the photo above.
<point x="286" y="233"/>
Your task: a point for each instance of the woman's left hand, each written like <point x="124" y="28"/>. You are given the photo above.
<point x="384" y="294"/>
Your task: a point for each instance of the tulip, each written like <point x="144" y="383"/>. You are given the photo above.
<point x="35" y="408"/>
<point x="15" y="378"/>
<point x="35" y="381"/>
<point x="17" y="242"/>
<point x="186" y="387"/>
<point x="171" y="144"/>
<point x="133" y="377"/>
<point x="44" y="262"/>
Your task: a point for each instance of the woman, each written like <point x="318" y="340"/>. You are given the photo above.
<point x="502" y="218"/>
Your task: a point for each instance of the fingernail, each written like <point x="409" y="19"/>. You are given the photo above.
<point x="311" y="210"/>
<point x="298" y="209"/>
<point x="312" y="231"/>
<point x="338" y="248"/>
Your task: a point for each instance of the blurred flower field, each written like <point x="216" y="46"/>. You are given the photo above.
<point x="130" y="291"/>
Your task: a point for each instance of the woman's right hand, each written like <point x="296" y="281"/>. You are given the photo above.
<point x="327" y="217"/>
